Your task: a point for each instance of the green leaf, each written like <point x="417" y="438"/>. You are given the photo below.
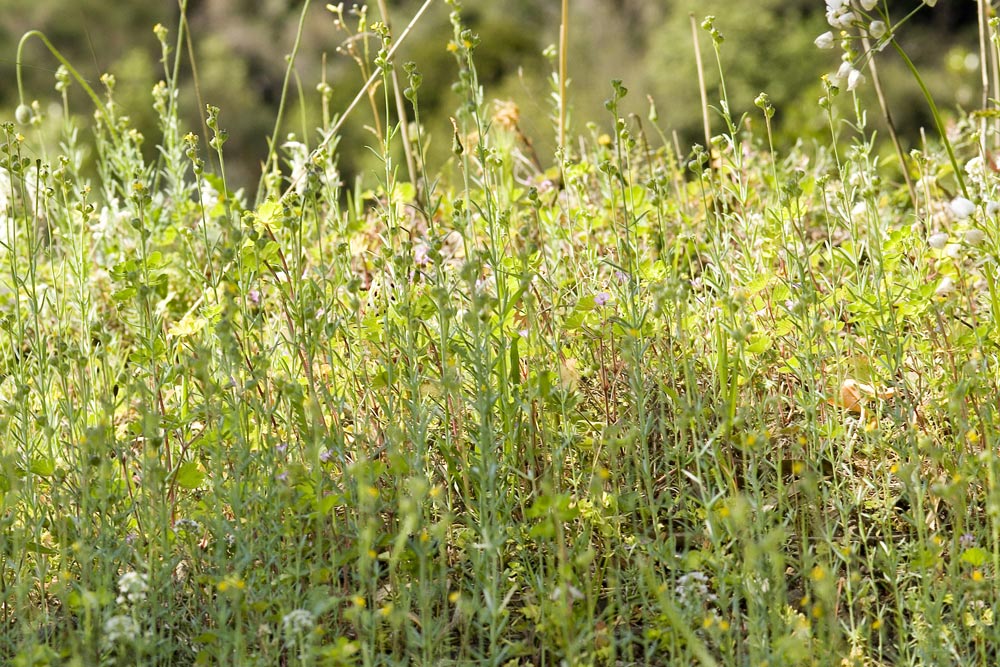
<point x="43" y="467"/>
<point x="190" y="475"/>
<point x="975" y="556"/>
<point x="759" y="344"/>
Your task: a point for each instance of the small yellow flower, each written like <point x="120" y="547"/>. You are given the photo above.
<point x="359" y="602"/>
<point x="454" y="597"/>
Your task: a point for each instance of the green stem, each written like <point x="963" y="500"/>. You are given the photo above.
<point x="936" y="114"/>
<point x="72" y="70"/>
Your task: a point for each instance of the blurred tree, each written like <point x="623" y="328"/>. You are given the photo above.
<point x="241" y="48"/>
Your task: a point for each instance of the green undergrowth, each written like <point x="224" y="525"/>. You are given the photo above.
<point x="735" y="406"/>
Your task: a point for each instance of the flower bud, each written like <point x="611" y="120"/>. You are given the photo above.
<point x="23" y="114"/>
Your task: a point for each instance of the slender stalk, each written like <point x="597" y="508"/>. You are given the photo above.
<point x="272" y="153"/>
<point x="563" y="57"/>
<point x="404" y="126"/>
<point x="887" y="115"/>
<point x="937" y="117"/>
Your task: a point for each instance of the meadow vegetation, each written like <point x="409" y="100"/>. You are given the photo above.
<point x="727" y="405"/>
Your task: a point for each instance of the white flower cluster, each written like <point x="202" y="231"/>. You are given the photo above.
<point x="296" y="624"/>
<point x="845" y="15"/>
<point x="300" y="159"/>
<point x="120" y="628"/>
<point x="693" y="586"/>
<point x="132" y="587"/>
<point x="840" y="14"/>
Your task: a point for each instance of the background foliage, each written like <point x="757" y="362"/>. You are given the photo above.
<point x="241" y="49"/>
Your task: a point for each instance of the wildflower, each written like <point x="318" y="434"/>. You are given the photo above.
<point x="877" y="29"/>
<point x="843" y="72"/>
<point x="976" y="170"/>
<point x="693" y="586"/>
<point x="930" y="3"/>
<point x="854" y="79"/>
<point x="296" y="624"/>
<point x="132" y="587"/>
<point x="938" y="241"/>
<point x="187" y="525"/>
<point x="992" y="208"/>
<point x="507" y="115"/>
<point x="967" y="540"/>
<point x="868" y="5"/>
<point x="119" y="628"/>
<point x="325" y="455"/>
<point x="974" y="236"/>
<point x="601" y="298"/>
<point x="961" y="207"/>
<point x="253" y="296"/>
<point x="945" y="287"/>
<point x="825" y="41"/>
<point x="420" y="255"/>
<point x="24" y="114"/>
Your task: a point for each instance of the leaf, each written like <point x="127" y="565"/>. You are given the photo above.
<point x="43" y="467"/>
<point x="975" y="556"/>
<point x="190" y="475"/>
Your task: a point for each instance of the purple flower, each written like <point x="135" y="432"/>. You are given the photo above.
<point x="282" y="476"/>
<point x="254" y="297"/>
<point x="967" y="540"/>
<point x="281" y="447"/>
<point x="325" y="455"/>
<point x="601" y="298"/>
<point x="420" y="256"/>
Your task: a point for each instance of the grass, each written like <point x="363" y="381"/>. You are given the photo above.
<point x="734" y="407"/>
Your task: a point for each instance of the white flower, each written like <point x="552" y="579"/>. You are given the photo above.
<point x="945" y="287"/>
<point x="877" y="29"/>
<point x="937" y="241"/>
<point x="132" y="587"/>
<point x="976" y="169"/>
<point x="825" y="41"/>
<point x="961" y="207"/>
<point x="118" y="628"/>
<point x="843" y="72"/>
<point x="869" y="5"/>
<point x="930" y="3"/>
<point x="992" y="208"/>
<point x="297" y="623"/>
<point x="974" y="236"/>
<point x="855" y="79"/>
